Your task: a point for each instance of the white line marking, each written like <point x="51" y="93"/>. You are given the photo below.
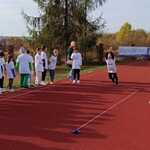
<point x="24" y="93"/>
<point x="110" y="108"/>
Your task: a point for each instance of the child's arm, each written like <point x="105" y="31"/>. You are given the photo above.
<point x="72" y="56"/>
<point x="80" y="60"/>
<point x="17" y="66"/>
<point x="44" y="59"/>
<point x="30" y="66"/>
<point x="50" y="59"/>
<point x="13" y="72"/>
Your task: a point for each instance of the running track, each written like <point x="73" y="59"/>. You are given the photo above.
<point x="42" y="119"/>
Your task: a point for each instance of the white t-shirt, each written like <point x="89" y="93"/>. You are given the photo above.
<point x="2" y="67"/>
<point x="111" y="65"/>
<point x="31" y="58"/>
<point x="76" y="60"/>
<point x="9" y="67"/>
<point x="44" y="56"/>
<point x="24" y="60"/>
<point x="53" y="62"/>
<point x="38" y="63"/>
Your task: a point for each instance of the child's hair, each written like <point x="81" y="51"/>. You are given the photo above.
<point x="10" y="58"/>
<point x="55" y="51"/>
<point x="28" y="51"/>
<point x="75" y="48"/>
<point x="38" y="49"/>
<point x="44" y="47"/>
<point x="111" y="53"/>
<point x="23" y="50"/>
<point x="1" y="54"/>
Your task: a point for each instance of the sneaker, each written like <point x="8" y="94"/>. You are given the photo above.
<point x="11" y="90"/>
<point x="1" y="91"/>
<point x="70" y="78"/>
<point x="51" y="83"/>
<point x="78" y="82"/>
<point x="43" y="83"/>
<point x="4" y="90"/>
<point x="74" y="81"/>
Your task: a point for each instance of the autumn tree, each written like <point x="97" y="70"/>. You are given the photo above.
<point x="123" y="32"/>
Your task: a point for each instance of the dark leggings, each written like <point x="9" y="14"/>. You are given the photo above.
<point x="113" y="77"/>
<point x="10" y="85"/>
<point x="76" y="74"/>
<point x="1" y="82"/>
<point x="52" y="75"/>
<point x="44" y="75"/>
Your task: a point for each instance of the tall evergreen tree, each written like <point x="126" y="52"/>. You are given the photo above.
<point x="61" y="21"/>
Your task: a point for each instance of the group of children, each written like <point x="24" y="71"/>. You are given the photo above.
<point x="25" y="64"/>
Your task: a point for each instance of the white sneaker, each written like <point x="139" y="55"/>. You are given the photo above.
<point x="74" y="81"/>
<point x="78" y="82"/>
<point x="11" y="90"/>
<point x="36" y="82"/>
<point x="4" y="90"/>
<point x="1" y="91"/>
<point x="51" y="83"/>
<point x="42" y="83"/>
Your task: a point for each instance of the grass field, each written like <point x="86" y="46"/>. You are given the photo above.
<point x="61" y="73"/>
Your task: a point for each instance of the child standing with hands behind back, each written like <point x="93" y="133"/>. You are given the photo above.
<point x="76" y="65"/>
<point x="52" y="65"/>
<point x="10" y="67"/>
<point x="111" y="67"/>
<point x="2" y="70"/>
<point x="38" y="67"/>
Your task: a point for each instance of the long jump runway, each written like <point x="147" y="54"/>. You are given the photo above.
<point x="109" y="117"/>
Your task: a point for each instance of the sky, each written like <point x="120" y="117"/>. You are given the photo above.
<point x="115" y="13"/>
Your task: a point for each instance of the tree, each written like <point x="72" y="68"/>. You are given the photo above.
<point x="61" y="21"/>
<point x="136" y="37"/>
<point x="124" y="31"/>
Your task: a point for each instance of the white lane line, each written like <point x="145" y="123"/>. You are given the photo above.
<point x="110" y="108"/>
<point x="31" y="90"/>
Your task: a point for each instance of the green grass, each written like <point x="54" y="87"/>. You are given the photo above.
<point x="61" y="73"/>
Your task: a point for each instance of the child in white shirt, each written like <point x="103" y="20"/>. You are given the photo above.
<point x="76" y="65"/>
<point x="10" y="68"/>
<point x="24" y="65"/>
<point x="52" y="65"/>
<point x="111" y="67"/>
<point x="45" y="63"/>
<point x="30" y="75"/>
<point x="38" y="67"/>
<point x="2" y="70"/>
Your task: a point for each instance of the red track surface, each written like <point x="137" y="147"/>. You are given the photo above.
<point x="42" y="119"/>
